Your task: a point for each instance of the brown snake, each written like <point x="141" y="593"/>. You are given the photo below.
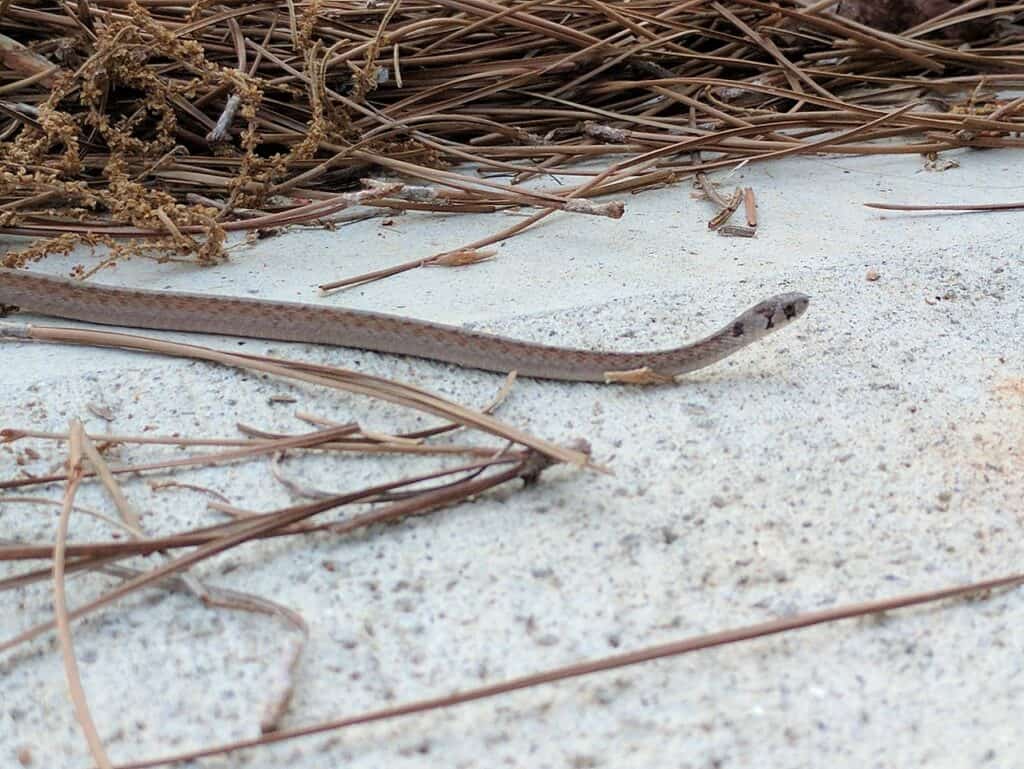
<point x="293" y="322"/>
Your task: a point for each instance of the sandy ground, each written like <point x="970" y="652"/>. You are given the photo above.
<point x="875" y="448"/>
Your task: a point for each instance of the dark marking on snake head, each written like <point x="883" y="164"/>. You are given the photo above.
<point x="790" y="309"/>
<point x="771" y="321"/>
<point x="737" y="328"/>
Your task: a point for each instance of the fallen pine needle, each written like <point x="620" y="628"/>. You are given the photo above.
<point x="947" y="207"/>
<point x="671" y="649"/>
<point x="60" y="605"/>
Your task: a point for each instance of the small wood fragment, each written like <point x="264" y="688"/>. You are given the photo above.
<point x="736" y="231"/>
<point x="750" y="206"/>
<point x="726" y="213"/>
<point x="220" y="131"/>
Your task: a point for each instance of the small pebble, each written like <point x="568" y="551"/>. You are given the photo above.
<point x="872" y="275"/>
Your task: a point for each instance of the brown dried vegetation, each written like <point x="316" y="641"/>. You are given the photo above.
<point x="177" y="123"/>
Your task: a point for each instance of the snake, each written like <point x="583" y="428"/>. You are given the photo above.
<point x="327" y="325"/>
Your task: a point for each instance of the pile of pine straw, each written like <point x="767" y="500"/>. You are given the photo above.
<point x="176" y="124"/>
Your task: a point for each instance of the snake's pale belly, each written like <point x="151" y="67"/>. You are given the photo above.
<point x="320" y="324"/>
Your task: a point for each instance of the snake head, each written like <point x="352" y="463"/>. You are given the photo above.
<point x="774" y="313"/>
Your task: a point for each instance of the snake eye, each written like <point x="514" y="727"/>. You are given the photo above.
<point x="790" y="310"/>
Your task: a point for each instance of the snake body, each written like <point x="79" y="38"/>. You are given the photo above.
<point x="318" y="324"/>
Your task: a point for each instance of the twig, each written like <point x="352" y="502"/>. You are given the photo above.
<point x="750" y="205"/>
